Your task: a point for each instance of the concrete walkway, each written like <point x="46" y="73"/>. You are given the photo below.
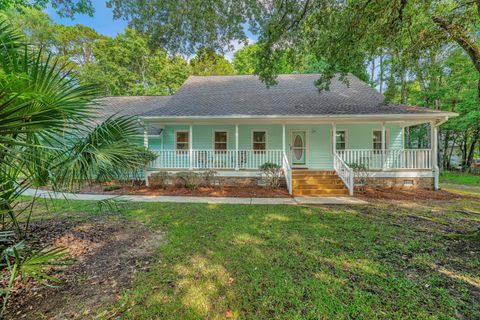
<point x="190" y="199"/>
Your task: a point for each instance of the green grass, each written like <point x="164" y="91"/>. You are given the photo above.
<point x="380" y="261"/>
<point x="459" y="178"/>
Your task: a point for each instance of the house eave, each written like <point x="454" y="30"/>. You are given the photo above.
<point x="306" y="118"/>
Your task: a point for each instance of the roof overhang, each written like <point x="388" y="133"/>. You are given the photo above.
<point x="402" y="119"/>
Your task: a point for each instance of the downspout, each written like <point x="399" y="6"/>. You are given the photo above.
<point x="434" y="146"/>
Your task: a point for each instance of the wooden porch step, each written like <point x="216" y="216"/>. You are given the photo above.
<point x="332" y="179"/>
<point x="317" y="183"/>
<point x="313" y="172"/>
<point x="323" y="183"/>
<point x="319" y="186"/>
<point x="322" y="192"/>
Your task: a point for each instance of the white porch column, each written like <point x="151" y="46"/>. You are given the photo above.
<point x="145" y="136"/>
<point x="236" y="147"/>
<point x="190" y="148"/>
<point x="434" y="147"/>
<point x="284" y="142"/>
<point x="384" y="146"/>
<point x="334" y="138"/>
<point x="145" y="144"/>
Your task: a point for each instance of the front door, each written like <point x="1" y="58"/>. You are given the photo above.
<point x="298" y="148"/>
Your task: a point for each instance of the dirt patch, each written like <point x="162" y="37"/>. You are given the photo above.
<point x="406" y="194"/>
<point x="220" y="191"/>
<point x="108" y="252"/>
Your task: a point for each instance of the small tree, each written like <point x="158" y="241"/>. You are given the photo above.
<point x="360" y="172"/>
<point x="271" y="173"/>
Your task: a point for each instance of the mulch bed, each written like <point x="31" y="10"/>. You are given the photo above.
<point x="107" y="253"/>
<point x="406" y="194"/>
<point x="220" y="191"/>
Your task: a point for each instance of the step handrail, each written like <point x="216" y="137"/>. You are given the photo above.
<point x="287" y="171"/>
<point x="344" y="172"/>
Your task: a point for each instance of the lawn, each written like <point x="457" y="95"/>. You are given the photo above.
<point x="387" y="260"/>
<point x="460" y="178"/>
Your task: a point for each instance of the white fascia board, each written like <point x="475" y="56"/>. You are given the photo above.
<point x="305" y="119"/>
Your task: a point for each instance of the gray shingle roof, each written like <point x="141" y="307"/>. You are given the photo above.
<point x="294" y="95"/>
<point x="129" y="106"/>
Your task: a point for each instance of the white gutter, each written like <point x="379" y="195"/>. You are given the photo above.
<point x="307" y="119"/>
<point x="310" y="117"/>
<point x="443" y="121"/>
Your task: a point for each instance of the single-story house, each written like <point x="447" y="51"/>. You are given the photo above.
<point x="234" y="124"/>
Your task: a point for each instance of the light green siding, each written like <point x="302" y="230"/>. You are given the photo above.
<point x="319" y="138"/>
<point x="274" y="136"/>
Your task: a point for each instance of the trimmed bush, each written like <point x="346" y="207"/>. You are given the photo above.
<point x="159" y="179"/>
<point x="271" y="174"/>
<point x="209" y="178"/>
<point x="189" y="180"/>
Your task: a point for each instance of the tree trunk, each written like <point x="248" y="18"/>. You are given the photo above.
<point x="403" y="89"/>
<point x="381" y="73"/>
<point x="462" y="38"/>
<point x="471" y="149"/>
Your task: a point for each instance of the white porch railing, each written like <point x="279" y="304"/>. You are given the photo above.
<point x="215" y="159"/>
<point x="344" y="172"/>
<point x="287" y="171"/>
<point x="388" y="159"/>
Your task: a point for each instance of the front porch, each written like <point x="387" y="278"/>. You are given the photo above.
<point x="239" y="150"/>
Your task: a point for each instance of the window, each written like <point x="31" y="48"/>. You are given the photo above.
<point x="259" y="140"/>
<point x="181" y="140"/>
<point x="377" y="139"/>
<point x="220" y="141"/>
<point x="341" y="140"/>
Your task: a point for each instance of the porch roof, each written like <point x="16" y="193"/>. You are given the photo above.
<point x="295" y="95"/>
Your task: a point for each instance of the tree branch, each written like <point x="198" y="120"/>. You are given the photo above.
<point x="461" y="37"/>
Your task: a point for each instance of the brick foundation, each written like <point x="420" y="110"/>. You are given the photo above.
<point x="219" y="180"/>
<point x="418" y="182"/>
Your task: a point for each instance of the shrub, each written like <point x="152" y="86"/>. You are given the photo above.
<point x="189" y="180"/>
<point x="159" y="179"/>
<point x="360" y="172"/>
<point x="209" y="178"/>
<point x="111" y="187"/>
<point x="271" y="173"/>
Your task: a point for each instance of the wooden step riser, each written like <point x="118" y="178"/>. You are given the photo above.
<point x="306" y="170"/>
<point x="312" y="181"/>
<point x="313" y="175"/>
<point x="317" y="183"/>
<point x="320" y="187"/>
<point x="332" y="193"/>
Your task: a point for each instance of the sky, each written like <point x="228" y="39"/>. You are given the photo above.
<point x="103" y="22"/>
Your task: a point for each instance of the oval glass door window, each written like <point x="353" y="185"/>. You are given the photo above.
<point x="298" y="147"/>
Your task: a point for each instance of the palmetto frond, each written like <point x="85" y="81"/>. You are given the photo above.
<point x="48" y="133"/>
<point x="106" y="152"/>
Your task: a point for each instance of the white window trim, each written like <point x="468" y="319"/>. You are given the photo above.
<point x="266" y="138"/>
<point x="175" y="139"/>
<point x="331" y="138"/>
<point x="387" y="137"/>
<point x="213" y="138"/>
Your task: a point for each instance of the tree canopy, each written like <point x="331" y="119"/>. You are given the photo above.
<point x="209" y="62"/>
<point x="418" y="52"/>
<point x="64" y="8"/>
